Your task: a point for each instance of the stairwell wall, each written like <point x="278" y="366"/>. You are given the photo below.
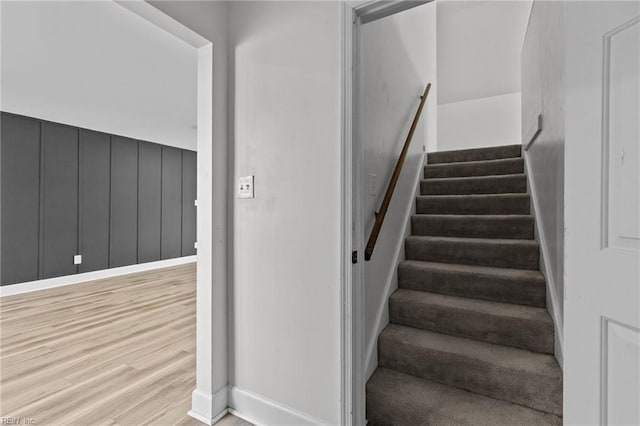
<point x="543" y="92"/>
<point x="397" y="57"/>
<point x="479" y="47"/>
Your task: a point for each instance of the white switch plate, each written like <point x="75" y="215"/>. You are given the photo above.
<point x="195" y="245"/>
<point x="77" y="259"/>
<point x="195" y="203"/>
<point x="245" y="187"/>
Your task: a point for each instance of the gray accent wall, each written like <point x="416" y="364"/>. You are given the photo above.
<point x="171" y="203"/>
<point x="20" y="180"/>
<point x="123" y="246"/>
<point x="94" y="199"/>
<point x="189" y="160"/>
<point x="59" y="200"/>
<point x="149" y="201"/>
<point x="114" y="200"/>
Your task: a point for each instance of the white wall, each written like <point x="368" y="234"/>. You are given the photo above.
<point x="397" y="59"/>
<point x="97" y="65"/>
<point x="209" y="20"/>
<point x="488" y="121"/>
<point x="285" y="311"/>
<point x="543" y="92"/>
<point x="479" y="47"/>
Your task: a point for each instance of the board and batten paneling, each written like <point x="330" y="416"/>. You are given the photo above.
<point x="20" y="153"/>
<point x="123" y="247"/>
<point x="171" y="202"/>
<point x="59" y="205"/>
<point x="94" y="187"/>
<point x="149" y="201"/>
<point x="189" y="178"/>
<point x="69" y="191"/>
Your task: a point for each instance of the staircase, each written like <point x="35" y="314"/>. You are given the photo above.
<point x="469" y="341"/>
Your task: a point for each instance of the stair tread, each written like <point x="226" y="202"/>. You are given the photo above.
<point x="474" y="216"/>
<point x="468" y="240"/>
<point x="478" y="162"/>
<point x="522" y="274"/>
<point x="500" y="203"/>
<point x="475" y="178"/>
<point x="488" y="184"/>
<point x="453" y="196"/>
<point x="488" y="353"/>
<point x="399" y="398"/>
<point x="500" y="309"/>
<point x="518" y="286"/>
<point x="475" y="154"/>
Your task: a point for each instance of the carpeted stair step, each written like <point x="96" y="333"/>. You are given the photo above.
<point x="473" y="226"/>
<point x="504" y="166"/>
<point x="473" y="204"/>
<point x="519" y="286"/>
<point x="518" y="326"/>
<point x="514" y="375"/>
<point x="475" y="154"/>
<point x="501" y="253"/>
<point x="394" y="398"/>
<point x="505" y="184"/>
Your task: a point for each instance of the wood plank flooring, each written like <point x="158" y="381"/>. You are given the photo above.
<point x="118" y="351"/>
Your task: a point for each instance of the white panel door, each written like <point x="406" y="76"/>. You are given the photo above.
<point x="602" y="216"/>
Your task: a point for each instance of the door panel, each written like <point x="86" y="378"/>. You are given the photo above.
<point x="188" y="197"/>
<point x="620" y="142"/>
<point x="59" y="238"/>
<point x="149" y="202"/>
<point x="123" y="248"/>
<point x="95" y="170"/>
<point x="20" y="145"/>
<point x="171" y="202"/>
<point x="602" y="214"/>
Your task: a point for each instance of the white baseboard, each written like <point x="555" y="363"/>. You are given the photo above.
<point x="258" y="410"/>
<point x="26" y="287"/>
<point x="208" y="408"/>
<point x="553" y="305"/>
<point x="382" y="316"/>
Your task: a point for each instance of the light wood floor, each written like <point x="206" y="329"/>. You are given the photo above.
<point x="119" y="351"/>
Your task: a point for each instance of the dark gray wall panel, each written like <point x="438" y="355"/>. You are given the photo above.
<point x="67" y="191"/>
<point x="123" y="248"/>
<point x="95" y="153"/>
<point x="20" y="153"/>
<point x="171" y="202"/>
<point x="149" y="201"/>
<point x="59" y="209"/>
<point x="188" y="197"/>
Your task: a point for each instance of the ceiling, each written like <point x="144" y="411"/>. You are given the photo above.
<point x="479" y="47"/>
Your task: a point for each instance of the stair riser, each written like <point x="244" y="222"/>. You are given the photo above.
<point x="513" y="228"/>
<point x="503" y="167"/>
<point x="520" y="292"/>
<point x="399" y="399"/>
<point x="473" y="205"/>
<point x="517" y="386"/>
<point x="501" y="255"/>
<point x="521" y="333"/>
<point x="493" y="153"/>
<point x="463" y="186"/>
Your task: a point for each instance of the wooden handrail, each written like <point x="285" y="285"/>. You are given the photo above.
<point x="394" y="180"/>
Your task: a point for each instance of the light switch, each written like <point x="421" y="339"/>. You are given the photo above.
<point x="195" y="203"/>
<point x="195" y="245"/>
<point x="77" y="259"/>
<point x="245" y="187"/>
